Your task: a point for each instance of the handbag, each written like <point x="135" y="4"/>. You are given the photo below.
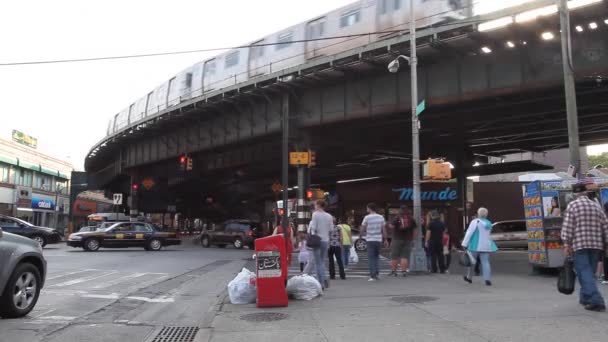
<point x="313" y="241"/>
<point x="566" y="278"/>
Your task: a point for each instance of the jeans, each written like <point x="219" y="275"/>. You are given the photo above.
<point x="319" y="255"/>
<point x="335" y="251"/>
<point x="585" y="265"/>
<point x="437" y="257"/>
<point x="373" y="254"/>
<point x="484" y="258"/>
<point x="345" y="254"/>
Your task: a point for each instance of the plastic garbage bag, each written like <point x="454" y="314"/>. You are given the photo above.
<point x="353" y="258"/>
<point x="241" y="289"/>
<point x="304" y="287"/>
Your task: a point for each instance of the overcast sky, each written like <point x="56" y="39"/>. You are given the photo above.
<point x="68" y="106"/>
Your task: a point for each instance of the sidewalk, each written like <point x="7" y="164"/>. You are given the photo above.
<point x="520" y="307"/>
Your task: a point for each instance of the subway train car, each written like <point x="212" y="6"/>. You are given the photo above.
<point x="239" y="65"/>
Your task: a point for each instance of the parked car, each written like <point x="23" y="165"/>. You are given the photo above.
<point x="22" y="274"/>
<point x="123" y="235"/>
<point x="359" y="242"/>
<point x="42" y="235"/>
<point x="510" y="234"/>
<point x="238" y="233"/>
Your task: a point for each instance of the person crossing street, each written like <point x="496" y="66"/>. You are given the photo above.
<point x="374" y="229"/>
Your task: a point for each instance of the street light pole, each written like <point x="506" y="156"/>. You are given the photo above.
<point x="569" y="86"/>
<point x="418" y="258"/>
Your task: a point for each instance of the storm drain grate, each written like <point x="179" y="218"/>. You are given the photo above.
<point x="413" y="299"/>
<point x="264" y="317"/>
<point x="176" y="334"/>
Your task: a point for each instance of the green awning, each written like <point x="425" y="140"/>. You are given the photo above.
<point x="27" y="165"/>
<point x="9" y="160"/>
<point x="49" y="171"/>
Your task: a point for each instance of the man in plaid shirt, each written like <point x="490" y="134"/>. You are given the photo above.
<point x="584" y="231"/>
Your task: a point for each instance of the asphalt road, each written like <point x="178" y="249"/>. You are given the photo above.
<point x="125" y="294"/>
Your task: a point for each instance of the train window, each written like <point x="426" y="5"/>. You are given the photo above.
<point x="284" y="40"/>
<point x="350" y="18"/>
<point x="209" y="68"/>
<point x="189" y="80"/>
<point x="316" y="28"/>
<point x="257" y="51"/>
<point x="387" y="6"/>
<point x="232" y="59"/>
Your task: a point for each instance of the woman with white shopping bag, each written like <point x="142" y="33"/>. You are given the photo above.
<point x="478" y="242"/>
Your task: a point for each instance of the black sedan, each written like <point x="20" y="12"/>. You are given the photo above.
<point x="123" y="235"/>
<point x="42" y="235"/>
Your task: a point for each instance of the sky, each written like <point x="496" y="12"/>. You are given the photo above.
<point x="67" y="106"/>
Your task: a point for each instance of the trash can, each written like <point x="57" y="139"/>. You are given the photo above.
<point x="271" y="271"/>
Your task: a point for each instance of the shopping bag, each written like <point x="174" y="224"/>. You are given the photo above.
<point x="303" y="287"/>
<point x="241" y="289"/>
<point x="566" y="278"/>
<point x="353" y="258"/>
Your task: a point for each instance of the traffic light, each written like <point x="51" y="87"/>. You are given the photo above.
<point x="309" y="195"/>
<point x="315" y="194"/>
<point x="182" y="163"/>
<point x="134" y="189"/>
<point x="188" y="164"/>
<point x="312" y="158"/>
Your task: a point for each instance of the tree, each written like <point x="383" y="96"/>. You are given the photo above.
<point x="600" y="159"/>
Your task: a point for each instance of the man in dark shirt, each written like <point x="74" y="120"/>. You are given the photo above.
<point x="401" y="245"/>
<point x="434" y="241"/>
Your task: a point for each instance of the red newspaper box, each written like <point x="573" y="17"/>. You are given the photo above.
<point x="271" y="271"/>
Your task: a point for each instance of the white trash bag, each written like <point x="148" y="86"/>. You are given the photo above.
<point x="304" y="287"/>
<point x="241" y="290"/>
<point x="353" y="257"/>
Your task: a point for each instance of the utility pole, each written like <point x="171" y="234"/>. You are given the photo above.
<point x="285" y="166"/>
<point x="418" y="260"/>
<point x="570" y="88"/>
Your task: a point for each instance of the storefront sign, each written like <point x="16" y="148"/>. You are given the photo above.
<point x="43" y="203"/>
<point x="407" y="194"/>
<point x="23" y="139"/>
<point x="23" y="197"/>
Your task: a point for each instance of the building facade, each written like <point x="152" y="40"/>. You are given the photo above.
<point x="33" y="186"/>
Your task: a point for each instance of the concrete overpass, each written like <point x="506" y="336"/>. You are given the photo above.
<point x="485" y="97"/>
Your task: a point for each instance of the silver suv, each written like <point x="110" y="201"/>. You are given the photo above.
<point x="22" y="274"/>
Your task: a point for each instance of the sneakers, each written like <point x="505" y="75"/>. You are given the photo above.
<point x="393" y="273"/>
<point x="488" y="283"/>
<point x="470" y="281"/>
<point x="595" y="307"/>
<point x="403" y="274"/>
<point x="371" y="279"/>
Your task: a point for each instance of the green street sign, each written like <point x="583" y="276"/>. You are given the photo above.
<point x="421" y="107"/>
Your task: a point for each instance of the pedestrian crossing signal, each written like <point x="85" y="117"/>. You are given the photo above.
<point x="182" y="163"/>
<point x="189" y="164"/>
<point x="312" y="158"/>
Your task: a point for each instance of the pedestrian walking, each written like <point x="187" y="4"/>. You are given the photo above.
<point x="584" y="233"/>
<point x="478" y="242"/>
<point x="347" y="241"/>
<point x="373" y="229"/>
<point x="401" y="244"/>
<point x="304" y="254"/>
<point x="434" y="242"/>
<point x="447" y="250"/>
<point x="335" y="253"/>
<point x="321" y="224"/>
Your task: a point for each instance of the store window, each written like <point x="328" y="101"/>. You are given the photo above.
<point x="24" y="177"/>
<point x="4" y="173"/>
<point x="43" y="182"/>
<point x="61" y="186"/>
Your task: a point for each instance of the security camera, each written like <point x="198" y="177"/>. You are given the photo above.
<point x="393" y="67"/>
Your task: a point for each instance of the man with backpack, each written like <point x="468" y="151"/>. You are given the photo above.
<point x="401" y="245"/>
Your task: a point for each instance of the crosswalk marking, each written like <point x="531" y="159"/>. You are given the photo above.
<point x="119" y="280"/>
<point x="68" y="274"/>
<point x="83" y="279"/>
<point x="359" y="270"/>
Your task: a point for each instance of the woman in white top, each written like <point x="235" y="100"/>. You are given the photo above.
<point x="478" y="242"/>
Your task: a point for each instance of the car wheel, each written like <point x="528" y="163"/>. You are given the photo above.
<point x="40" y="239"/>
<point x="155" y="245"/>
<point x="92" y="245"/>
<point x="205" y="241"/>
<point x="238" y="243"/>
<point x="21" y="292"/>
<point x="360" y="245"/>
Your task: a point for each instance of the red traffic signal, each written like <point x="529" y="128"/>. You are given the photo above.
<point x="182" y="163"/>
<point x="309" y="195"/>
<point x="135" y="186"/>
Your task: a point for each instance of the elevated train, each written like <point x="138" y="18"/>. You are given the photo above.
<point x="240" y="65"/>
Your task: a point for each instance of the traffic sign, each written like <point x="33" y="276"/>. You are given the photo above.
<point x="117" y="199"/>
<point x="299" y="158"/>
<point x="421" y="107"/>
